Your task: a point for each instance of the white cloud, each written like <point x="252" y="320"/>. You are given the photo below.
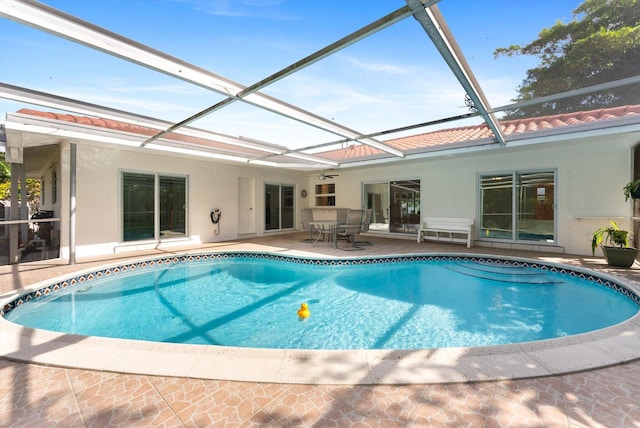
<point x="266" y="9"/>
<point x="376" y="67"/>
<point x="167" y="89"/>
<point x="144" y="106"/>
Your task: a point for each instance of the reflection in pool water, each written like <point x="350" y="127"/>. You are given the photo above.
<point x="410" y="302"/>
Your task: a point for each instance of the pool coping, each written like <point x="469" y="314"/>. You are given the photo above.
<point x="613" y="345"/>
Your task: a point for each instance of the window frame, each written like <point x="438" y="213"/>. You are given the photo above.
<point x="387" y="212"/>
<point x="325" y="194"/>
<point x="157" y="208"/>
<point x="484" y="233"/>
<point x="282" y="198"/>
<point x="54" y="186"/>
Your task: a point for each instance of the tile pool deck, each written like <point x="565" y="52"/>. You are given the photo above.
<point x="47" y="394"/>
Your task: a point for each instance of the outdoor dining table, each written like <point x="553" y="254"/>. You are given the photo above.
<point x="331" y="225"/>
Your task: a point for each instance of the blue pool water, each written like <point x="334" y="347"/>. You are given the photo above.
<point x="251" y="301"/>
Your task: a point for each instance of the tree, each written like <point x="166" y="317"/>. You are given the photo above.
<point x="5" y="172"/>
<point x="33" y="185"/>
<point x="601" y="44"/>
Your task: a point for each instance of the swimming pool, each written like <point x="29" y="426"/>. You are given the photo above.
<point x="609" y="346"/>
<point x="250" y="300"/>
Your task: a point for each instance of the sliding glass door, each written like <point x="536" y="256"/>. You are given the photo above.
<point x="376" y="198"/>
<point x="153" y="206"/>
<point x="518" y="206"/>
<point x="279" y="206"/>
<point x="395" y="205"/>
<point x="497" y="206"/>
<point x="535" y="219"/>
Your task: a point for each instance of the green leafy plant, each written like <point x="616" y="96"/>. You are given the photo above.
<point x="599" y="42"/>
<point x="611" y="235"/>
<point x="630" y="188"/>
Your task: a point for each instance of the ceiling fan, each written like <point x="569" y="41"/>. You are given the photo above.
<point x="324" y="176"/>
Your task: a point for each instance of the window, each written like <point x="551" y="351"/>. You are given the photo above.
<point x="142" y="218"/>
<point x="518" y="206"/>
<point x="395" y="205"/>
<point x="54" y="186"/>
<point x="326" y="195"/>
<point x="173" y="200"/>
<point x="279" y="206"/>
<point x="43" y="193"/>
<point x="405" y="206"/>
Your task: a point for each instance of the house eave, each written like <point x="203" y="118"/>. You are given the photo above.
<point x="622" y="125"/>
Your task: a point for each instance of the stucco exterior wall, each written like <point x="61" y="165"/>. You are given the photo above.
<point x="210" y="186"/>
<point x="590" y="175"/>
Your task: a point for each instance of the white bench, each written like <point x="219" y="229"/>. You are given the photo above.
<point x="447" y="229"/>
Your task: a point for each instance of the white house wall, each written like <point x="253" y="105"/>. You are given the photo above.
<point x="211" y="186"/>
<point x="590" y="175"/>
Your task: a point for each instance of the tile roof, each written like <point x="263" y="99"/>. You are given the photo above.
<point x="466" y="135"/>
<point x="92" y="121"/>
<point x="436" y="140"/>
<point x="146" y="131"/>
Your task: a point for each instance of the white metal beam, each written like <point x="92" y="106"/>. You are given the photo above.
<point x="572" y="93"/>
<point x="435" y="26"/>
<point x="67" y="26"/>
<point x="30" y="96"/>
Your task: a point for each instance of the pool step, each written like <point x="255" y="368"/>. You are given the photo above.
<point x="511" y="274"/>
<point x="500" y="269"/>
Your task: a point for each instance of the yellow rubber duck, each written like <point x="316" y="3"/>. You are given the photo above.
<point x="304" y="312"/>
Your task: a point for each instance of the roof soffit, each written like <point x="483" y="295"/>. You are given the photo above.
<point x="47" y="128"/>
<point x="446" y="141"/>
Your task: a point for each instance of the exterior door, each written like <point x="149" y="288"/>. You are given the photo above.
<point x="404" y="212"/>
<point x="246" y="203"/>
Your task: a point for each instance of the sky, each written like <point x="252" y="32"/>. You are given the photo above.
<point x="392" y="79"/>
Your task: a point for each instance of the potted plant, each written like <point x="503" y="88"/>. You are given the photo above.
<point x="632" y="189"/>
<point x="616" y="247"/>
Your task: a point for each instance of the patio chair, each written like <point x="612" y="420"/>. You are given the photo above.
<point x="365" y="226"/>
<point x="341" y="218"/>
<point x="351" y="228"/>
<point x="306" y="215"/>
